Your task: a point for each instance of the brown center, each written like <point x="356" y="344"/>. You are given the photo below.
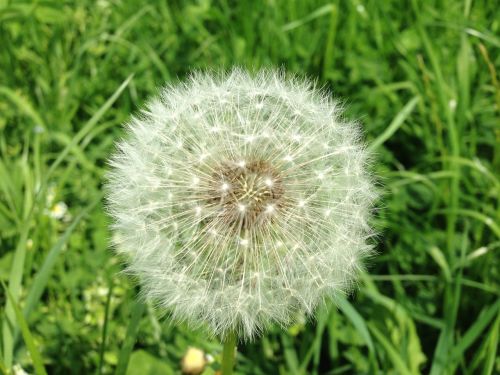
<point x="248" y="193"/>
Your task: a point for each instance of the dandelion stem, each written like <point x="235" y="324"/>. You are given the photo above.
<point x="228" y="354"/>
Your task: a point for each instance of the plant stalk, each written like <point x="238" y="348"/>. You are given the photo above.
<point x="228" y="354"/>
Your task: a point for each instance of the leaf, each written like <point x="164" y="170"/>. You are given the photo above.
<point x="143" y="363"/>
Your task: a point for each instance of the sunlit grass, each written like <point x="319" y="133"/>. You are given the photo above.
<point x="420" y="76"/>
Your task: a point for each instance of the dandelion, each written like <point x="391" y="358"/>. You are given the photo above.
<point x="241" y="200"/>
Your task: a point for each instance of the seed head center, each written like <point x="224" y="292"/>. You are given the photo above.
<point x="248" y="194"/>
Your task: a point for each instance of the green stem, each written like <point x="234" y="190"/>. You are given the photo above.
<point x="228" y="354"/>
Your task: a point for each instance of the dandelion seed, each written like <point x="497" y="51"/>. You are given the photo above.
<point x="202" y="205"/>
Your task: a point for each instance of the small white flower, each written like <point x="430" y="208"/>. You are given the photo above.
<point x="58" y="211"/>
<point x="452" y="104"/>
<point x="38" y="129"/>
<point x="277" y="219"/>
<point x="18" y="370"/>
<point x="360" y="8"/>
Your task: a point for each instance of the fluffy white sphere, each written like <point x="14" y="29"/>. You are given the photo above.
<point x="241" y="200"/>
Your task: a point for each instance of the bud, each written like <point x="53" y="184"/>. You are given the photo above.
<point x="193" y="361"/>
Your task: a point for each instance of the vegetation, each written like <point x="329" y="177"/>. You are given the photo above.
<point x="419" y="75"/>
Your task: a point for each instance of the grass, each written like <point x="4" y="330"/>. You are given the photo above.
<point x="421" y="77"/>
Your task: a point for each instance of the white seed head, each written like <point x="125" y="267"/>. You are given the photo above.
<point x="241" y="200"/>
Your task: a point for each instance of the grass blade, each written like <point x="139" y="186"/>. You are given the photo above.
<point x="15" y="278"/>
<point x="315" y="348"/>
<point x="28" y="338"/>
<point x="16" y="273"/>
<point x="133" y="327"/>
<point x="357" y="321"/>
<point x="290" y="355"/>
<point x="397" y="361"/>
<point x="42" y="276"/>
<point x="395" y="124"/>
<point x="23" y="105"/>
<point x="325" y="9"/>
<point x="473" y="333"/>
<point x="492" y="347"/>
<point x="89" y="124"/>
<point x="105" y="329"/>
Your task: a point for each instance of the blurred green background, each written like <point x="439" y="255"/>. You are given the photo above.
<point x="421" y="76"/>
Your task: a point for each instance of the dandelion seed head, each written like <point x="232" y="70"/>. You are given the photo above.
<point x="241" y="200"/>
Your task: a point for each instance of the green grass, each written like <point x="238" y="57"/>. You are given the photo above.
<point x="421" y="76"/>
